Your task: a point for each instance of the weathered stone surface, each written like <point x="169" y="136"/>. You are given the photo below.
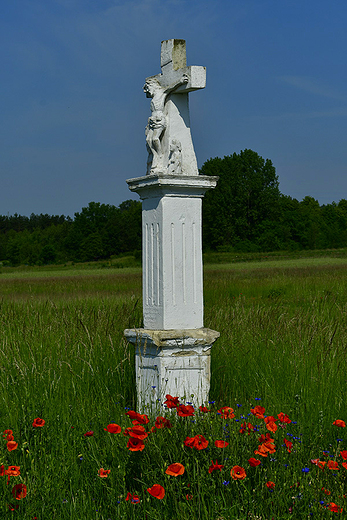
<point x="175" y="362"/>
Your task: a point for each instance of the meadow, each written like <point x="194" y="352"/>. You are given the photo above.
<point x="63" y="359"/>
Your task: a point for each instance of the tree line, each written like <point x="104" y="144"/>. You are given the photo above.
<point x="246" y="212"/>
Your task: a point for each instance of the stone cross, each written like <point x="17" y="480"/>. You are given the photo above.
<point x="173" y="349"/>
<point x="169" y="142"/>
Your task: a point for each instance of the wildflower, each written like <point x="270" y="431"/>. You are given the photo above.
<point x="157" y="491"/>
<point x="343" y="454"/>
<point x="289" y="445"/>
<point x="135" y="444"/>
<point x="19" y="491"/>
<point x="339" y="423"/>
<point x="271" y="426"/>
<point x="171" y="402"/>
<point x="335" y="508"/>
<point x="226" y="412"/>
<point x="88" y="434"/>
<point x="189" y="442"/>
<point x="226" y="482"/>
<point x="326" y="491"/>
<point x="200" y="442"/>
<point x="305" y="470"/>
<point x="189" y="497"/>
<point x="103" y="473"/>
<point x="185" y="411"/>
<point x="254" y="462"/>
<point x="238" y="473"/>
<point x="204" y="409"/>
<point x="344" y="464"/>
<point x="175" y="469"/>
<point x="161" y="422"/>
<point x="2" y="470"/>
<point x="258" y="411"/>
<point x="138" y="432"/>
<point x="244" y="426"/>
<point x="137" y="418"/>
<point x="214" y="466"/>
<point x="113" y="428"/>
<point x="38" y="423"/>
<point x="333" y="465"/>
<point x="321" y="464"/>
<point x="283" y="418"/>
<point x="9" y="435"/>
<point x="12" y="445"/>
<point x="221" y="444"/>
<point x="134" y="499"/>
<point x="270" y="485"/>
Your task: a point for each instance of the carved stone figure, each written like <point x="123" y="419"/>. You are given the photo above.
<point x="175" y="158"/>
<point x="168" y="138"/>
<point x="157" y="121"/>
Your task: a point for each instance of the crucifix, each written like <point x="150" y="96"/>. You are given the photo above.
<point x="173" y="348"/>
<point x="168" y="138"/>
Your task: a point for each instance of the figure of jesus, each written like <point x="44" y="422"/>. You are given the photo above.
<point x="157" y="121"/>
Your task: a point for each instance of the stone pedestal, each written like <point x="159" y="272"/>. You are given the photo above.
<point x="175" y="362"/>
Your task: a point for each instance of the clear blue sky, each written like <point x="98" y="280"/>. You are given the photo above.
<point x="73" y="112"/>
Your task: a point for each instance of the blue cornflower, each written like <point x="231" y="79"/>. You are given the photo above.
<point x="257" y="398"/>
<point x="305" y="470"/>
<point x="226" y="482"/>
<point x="238" y="405"/>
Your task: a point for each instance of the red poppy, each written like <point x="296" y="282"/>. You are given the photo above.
<point x="103" y="473"/>
<point x="221" y="444"/>
<point x="254" y="462"/>
<point x="171" y="402"/>
<point x="226" y="412"/>
<point x="269" y="418"/>
<point x="335" y="508"/>
<point x="12" y="445"/>
<point x="2" y="470"/>
<point x="321" y="464"/>
<point x="289" y="445"/>
<point x="270" y="485"/>
<point x="175" y="469"/>
<point x="134" y="499"/>
<point x="9" y="435"/>
<point x="189" y="442"/>
<point x="185" y="411"/>
<point x="343" y="454"/>
<point x="135" y="444"/>
<point x="265" y="438"/>
<point x="200" y="443"/>
<point x="13" y="507"/>
<point x="89" y="434"/>
<point x="333" y="465"/>
<point x="13" y="471"/>
<point x="284" y="418"/>
<point x="189" y="497"/>
<point x="258" y="411"/>
<point x="340" y="423"/>
<point x="137" y="418"/>
<point x="157" y="491"/>
<point x="19" y="491"/>
<point x="113" y="428"/>
<point x="214" y="466"/>
<point x="204" y="409"/>
<point x="238" y="473"/>
<point x="162" y="422"/>
<point x="138" y="432"/>
<point x="246" y="427"/>
<point x="326" y="491"/>
<point x="344" y="464"/>
<point x="271" y="426"/>
<point x="38" y="423"/>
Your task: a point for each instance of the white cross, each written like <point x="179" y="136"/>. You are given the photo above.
<point x="176" y="81"/>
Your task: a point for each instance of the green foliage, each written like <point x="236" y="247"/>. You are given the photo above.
<point x="63" y="358"/>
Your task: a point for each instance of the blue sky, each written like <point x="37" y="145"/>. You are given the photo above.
<point x="73" y="113"/>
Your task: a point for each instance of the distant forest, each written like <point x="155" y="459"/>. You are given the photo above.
<point x="246" y="212"/>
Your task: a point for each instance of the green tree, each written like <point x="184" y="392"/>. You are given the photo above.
<point x="244" y="205"/>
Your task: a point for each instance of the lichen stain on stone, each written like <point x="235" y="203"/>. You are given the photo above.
<point x="182" y="353"/>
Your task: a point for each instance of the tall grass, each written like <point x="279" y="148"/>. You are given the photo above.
<point x="63" y="358"/>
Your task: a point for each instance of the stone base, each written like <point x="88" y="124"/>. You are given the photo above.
<point x="175" y="362"/>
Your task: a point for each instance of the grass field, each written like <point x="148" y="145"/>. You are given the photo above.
<point x="63" y="358"/>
